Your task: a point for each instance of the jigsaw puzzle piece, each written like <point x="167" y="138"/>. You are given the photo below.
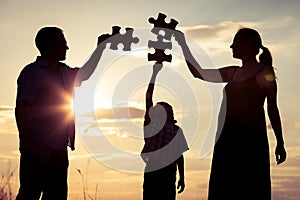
<point x="159" y="44"/>
<point x="159" y="56"/>
<point x="115" y="37"/>
<point x="161" y="24"/>
<point x="126" y="39"/>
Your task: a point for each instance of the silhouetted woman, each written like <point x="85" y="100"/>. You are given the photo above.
<point x="163" y="149"/>
<point x="241" y="166"/>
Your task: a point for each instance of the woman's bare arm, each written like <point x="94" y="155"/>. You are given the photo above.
<point x="211" y="75"/>
<point x="273" y="113"/>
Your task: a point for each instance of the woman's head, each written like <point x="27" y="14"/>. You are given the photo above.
<point x="247" y="42"/>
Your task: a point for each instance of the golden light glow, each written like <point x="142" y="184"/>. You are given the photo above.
<point x="270" y="77"/>
<point x="67" y="108"/>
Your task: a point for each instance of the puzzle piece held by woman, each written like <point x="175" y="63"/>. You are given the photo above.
<point x="126" y="39"/>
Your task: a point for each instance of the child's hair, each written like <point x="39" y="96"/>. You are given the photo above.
<point x="169" y="110"/>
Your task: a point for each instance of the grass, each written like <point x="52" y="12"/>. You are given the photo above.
<point x="7" y="190"/>
<point x="6" y="185"/>
<point x="84" y="179"/>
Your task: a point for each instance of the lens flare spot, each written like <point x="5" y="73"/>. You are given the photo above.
<point x="270" y="77"/>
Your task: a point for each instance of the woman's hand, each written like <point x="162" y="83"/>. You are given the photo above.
<point x="180" y="37"/>
<point x="280" y="153"/>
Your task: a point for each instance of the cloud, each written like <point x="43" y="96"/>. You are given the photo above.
<point x="280" y="35"/>
<point x="286" y="187"/>
<point x="222" y="30"/>
<point x="80" y="156"/>
<point x="117" y="113"/>
<point x="8" y="157"/>
<point x="6" y="108"/>
<point x="7" y="120"/>
<point x="120" y="113"/>
<point x="110" y="121"/>
<point x="6" y="111"/>
<point x="297" y="124"/>
<point x="216" y="39"/>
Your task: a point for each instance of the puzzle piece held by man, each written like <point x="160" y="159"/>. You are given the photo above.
<point x="116" y="38"/>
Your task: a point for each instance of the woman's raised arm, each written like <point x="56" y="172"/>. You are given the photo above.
<point x="211" y="75"/>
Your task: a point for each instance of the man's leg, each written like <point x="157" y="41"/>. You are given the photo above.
<point x="56" y="186"/>
<point x="29" y="174"/>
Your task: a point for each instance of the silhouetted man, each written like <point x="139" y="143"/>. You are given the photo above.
<point x="44" y="115"/>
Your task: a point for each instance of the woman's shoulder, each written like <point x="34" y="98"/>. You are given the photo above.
<point x="266" y="70"/>
<point x="266" y="74"/>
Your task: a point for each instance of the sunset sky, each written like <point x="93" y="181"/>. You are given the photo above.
<point x="108" y="140"/>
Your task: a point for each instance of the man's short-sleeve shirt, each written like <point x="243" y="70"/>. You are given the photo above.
<point x="48" y="90"/>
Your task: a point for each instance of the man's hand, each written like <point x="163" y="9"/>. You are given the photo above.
<point x="103" y="38"/>
<point x="180" y="185"/>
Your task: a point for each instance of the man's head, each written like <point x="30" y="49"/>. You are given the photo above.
<point x="51" y="42"/>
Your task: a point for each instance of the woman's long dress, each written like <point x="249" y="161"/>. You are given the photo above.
<point x="241" y="165"/>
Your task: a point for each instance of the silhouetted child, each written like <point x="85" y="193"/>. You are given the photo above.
<point x="162" y="152"/>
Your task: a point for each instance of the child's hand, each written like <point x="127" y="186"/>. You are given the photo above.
<point x="157" y="67"/>
<point x="181" y="185"/>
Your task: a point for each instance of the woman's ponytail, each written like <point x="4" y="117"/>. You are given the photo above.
<point x="265" y="57"/>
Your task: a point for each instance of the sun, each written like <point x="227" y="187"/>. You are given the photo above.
<point x="86" y="100"/>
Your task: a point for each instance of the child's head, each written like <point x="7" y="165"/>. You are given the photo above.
<point x="169" y="111"/>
